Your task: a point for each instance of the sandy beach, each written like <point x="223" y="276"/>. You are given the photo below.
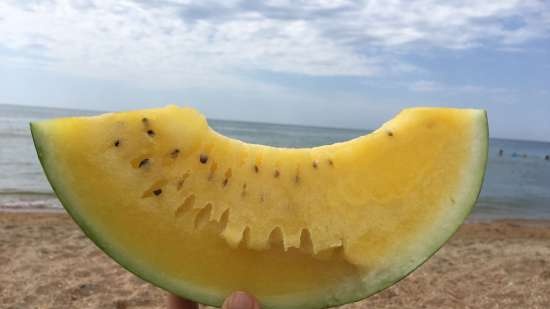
<point x="47" y="262"/>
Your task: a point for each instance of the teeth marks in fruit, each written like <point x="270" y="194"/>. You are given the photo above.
<point x="306" y="243"/>
<point x="276" y="238"/>
<point x="187" y="204"/>
<point x="224" y="219"/>
<point x="276" y="174"/>
<point x="245" y="238"/>
<point x="213" y="169"/>
<point x="203" y="216"/>
<point x="175" y="153"/>
<point x="143" y="162"/>
<point x="227" y="175"/>
<point x="117" y="143"/>
<point x="155" y="189"/>
<point x="181" y="181"/>
<point x="203" y="158"/>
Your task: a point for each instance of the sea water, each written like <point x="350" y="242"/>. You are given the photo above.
<point x="517" y="182"/>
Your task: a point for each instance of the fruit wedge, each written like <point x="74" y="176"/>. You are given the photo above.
<point x="201" y="215"/>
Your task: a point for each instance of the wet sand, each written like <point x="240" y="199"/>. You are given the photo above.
<point x="47" y="262"/>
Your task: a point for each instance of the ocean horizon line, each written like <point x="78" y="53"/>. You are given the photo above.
<point x="363" y="130"/>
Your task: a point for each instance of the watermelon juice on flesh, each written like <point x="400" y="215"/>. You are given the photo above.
<point x="201" y="215"/>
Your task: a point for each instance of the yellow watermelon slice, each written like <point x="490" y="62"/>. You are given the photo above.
<point x="201" y="215"/>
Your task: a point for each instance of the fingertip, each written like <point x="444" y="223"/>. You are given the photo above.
<point x="176" y="302"/>
<point x="240" y="300"/>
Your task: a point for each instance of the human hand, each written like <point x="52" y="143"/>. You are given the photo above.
<point x="237" y="300"/>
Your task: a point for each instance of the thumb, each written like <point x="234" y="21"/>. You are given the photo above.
<point x="240" y="300"/>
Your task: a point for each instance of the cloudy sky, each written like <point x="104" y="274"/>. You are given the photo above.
<point x="330" y="63"/>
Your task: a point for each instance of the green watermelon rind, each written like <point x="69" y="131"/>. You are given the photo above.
<point x="347" y="292"/>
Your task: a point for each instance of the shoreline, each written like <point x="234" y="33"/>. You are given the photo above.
<point x="47" y="262"/>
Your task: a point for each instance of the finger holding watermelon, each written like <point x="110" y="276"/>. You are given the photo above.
<point x="237" y="300"/>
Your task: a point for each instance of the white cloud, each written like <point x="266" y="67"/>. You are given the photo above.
<point x="181" y="44"/>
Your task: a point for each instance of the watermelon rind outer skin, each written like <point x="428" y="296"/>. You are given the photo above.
<point x="343" y="294"/>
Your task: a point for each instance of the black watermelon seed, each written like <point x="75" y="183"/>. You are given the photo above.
<point x="203" y="158"/>
<point x="157" y="192"/>
<point x="117" y="143"/>
<point x="151" y="133"/>
<point x="175" y="153"/>
<point x="143" y="162"/>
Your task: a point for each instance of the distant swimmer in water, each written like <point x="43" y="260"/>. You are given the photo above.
<point x="500" y="152"/>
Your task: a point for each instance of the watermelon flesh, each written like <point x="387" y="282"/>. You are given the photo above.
<point x="201" y="214"/>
